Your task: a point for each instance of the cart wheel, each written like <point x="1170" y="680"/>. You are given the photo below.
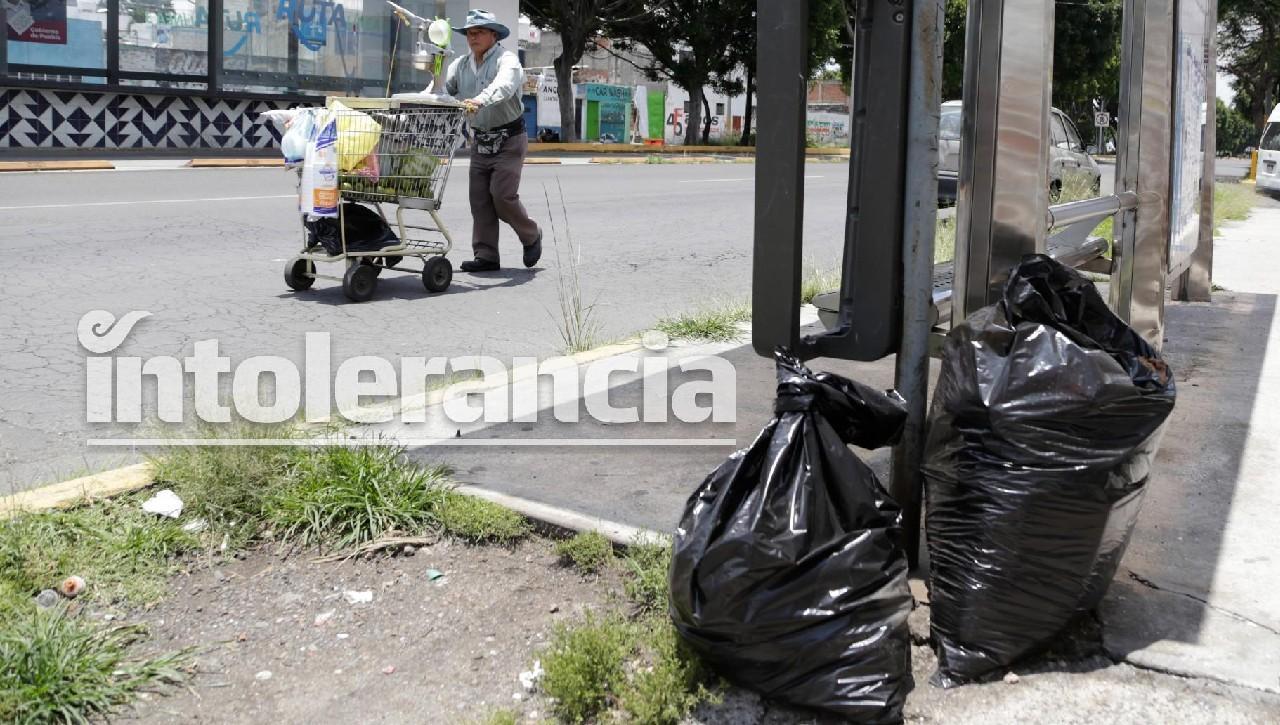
<point x="392" y="261"/>
<point x="437" y="273"/>
<point x="359" y="282"/>
<point x="296" y="274"/>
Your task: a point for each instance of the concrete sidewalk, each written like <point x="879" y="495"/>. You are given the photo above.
<point x="1194" y="593"/>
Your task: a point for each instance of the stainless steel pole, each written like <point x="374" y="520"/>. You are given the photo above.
<point x="920" y="218"/>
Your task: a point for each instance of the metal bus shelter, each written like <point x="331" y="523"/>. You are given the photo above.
<point x="893" y="300"/>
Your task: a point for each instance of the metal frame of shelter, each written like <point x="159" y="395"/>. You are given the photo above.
<point x="893" y="300"/>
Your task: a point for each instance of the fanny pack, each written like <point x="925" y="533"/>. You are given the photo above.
<point x="489" y="142"/>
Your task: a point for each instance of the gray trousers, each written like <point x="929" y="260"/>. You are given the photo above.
<point x="495" y="195"/>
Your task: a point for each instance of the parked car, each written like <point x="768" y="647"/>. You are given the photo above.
<point x="1269" y="154"/>
<point x="1068" y="160"/>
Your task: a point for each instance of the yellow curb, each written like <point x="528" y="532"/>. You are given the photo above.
<point x="229" y="163"/>
<point x="78" y="490"/>
<point x="828" y="152"/>
<point x="690" y="160"/>
<point x="618" y="160"/>
<point x="69" y="165"/>
<point x="545" y="162"/>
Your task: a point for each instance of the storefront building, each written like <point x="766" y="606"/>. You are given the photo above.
<point x="79" y="76"/>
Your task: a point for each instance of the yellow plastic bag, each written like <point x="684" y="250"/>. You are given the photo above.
<point x="358" y="136"/>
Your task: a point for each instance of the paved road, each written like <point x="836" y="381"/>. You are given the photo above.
<point x="203" y="251"/>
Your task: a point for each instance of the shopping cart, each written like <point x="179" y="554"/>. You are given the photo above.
<point x="390" y="151"/>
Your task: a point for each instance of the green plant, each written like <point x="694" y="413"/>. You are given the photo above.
<point x="343" y="497"/>
<point x="58" y="668"/>
<point x="654" y="159"/>
<point x="479" y="521"/>
<point x="717" y="323"/>
<point x="818" y="280"/>
<point x="663" y="691"/>
<point x="579" y="329"/>
<point x="583" y="667"/>
<point x="646" y="564"/>
<point x="588" y="551"/>
<point x="230" y="486"/>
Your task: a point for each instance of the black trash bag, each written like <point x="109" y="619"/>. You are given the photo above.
<point x="367" y="231"/>
<point x="788" y="574"/>
<point x="1047" y="414"/>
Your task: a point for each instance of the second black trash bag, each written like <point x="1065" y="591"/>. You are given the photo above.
<point x="1046" y="417"/>
<point x="788" y="574"/>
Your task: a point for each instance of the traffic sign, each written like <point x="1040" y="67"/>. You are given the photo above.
<point x="1102" y="119"/>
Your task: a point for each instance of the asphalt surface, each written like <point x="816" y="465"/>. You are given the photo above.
<point x="203" y="250"/>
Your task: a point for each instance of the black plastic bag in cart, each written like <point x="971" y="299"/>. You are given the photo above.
<point x="366" y="230"/>
<point x="1047" y="414"/>
<point x="788" y="575"/>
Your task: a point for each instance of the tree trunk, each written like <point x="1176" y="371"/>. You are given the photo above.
<point x="706" y="122"/>
<point x="564" y="87"/>
<point x="693" y="124"/>
<point x="746" y="115"/>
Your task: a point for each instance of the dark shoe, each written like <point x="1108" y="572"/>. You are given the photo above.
<point x="533" y="252"/>
<point x="480" y="265"/>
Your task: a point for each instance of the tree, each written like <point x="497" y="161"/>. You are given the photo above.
<point x="688" y="43"/>
<point x="1086" y="55"/>
<point x="1234" y="133"/>
<point x="578" y="23"/>
<point x="830" y="40"/>
<point x="1249" y="49"/>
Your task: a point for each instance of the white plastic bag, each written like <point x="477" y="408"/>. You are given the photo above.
<point x="301" y="130"/>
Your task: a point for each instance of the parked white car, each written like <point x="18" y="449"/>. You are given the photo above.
<point x="1269" y="154"/>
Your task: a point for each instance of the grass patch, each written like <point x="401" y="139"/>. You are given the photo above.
<point x="61" y="669"/>
<point x="718" y="323"/>
<point x="1232" y="202"/>
<point x="589" y="552"/>
<point x="944" y="240"/>
<point x="584" y="666"/>
<point x="646" y="564"/>
<point x="480" y="521"/>
<point x="343" y="497"/>
<point x="231" y="487"/>
<point x="122" y="552"/>
<point x="654" y="159"/>
<point x="816" y="281"/>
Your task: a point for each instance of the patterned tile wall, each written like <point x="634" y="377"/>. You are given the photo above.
<point x="48" y="119"/>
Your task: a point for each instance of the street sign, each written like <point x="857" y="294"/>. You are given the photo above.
<point x="1102" y="119"/>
